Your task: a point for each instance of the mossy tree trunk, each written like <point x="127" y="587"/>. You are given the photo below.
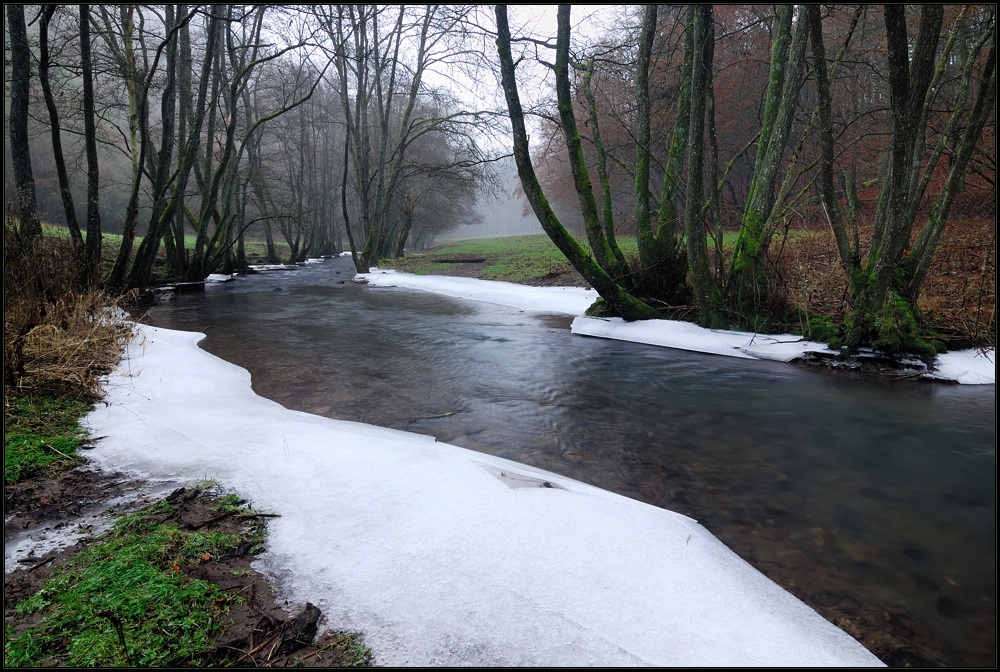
<point x="747" y="282"/>
<point x="886" y="284"/>
<point x="620" y="269"/>
<point x="706" y="291"/>
<point x="616" y="297"/>
<point x="661" y="250"/>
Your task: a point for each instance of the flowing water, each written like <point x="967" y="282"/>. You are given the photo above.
<point x="872" y="500"/>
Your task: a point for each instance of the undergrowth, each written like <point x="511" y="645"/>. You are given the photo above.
<point x="60" y="333"/>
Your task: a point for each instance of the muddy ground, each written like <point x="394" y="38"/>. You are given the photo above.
<point x="261" y="630"/>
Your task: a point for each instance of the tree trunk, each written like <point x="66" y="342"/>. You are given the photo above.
<point x="707" y="293"/>
<point x="20" y="155"/>
<point x="918" y="262"/>
<point x="661" y="253"/>
<point x="602" y="171"/>
<point x="90" y="135"/>
<point x="615" y="296"/>
<point x="164" y="204"/>
<point x="748" y="281"/>
<point x="57" y="151"/>
<point x="882" y="317"/>
<point x="138" y="124"/>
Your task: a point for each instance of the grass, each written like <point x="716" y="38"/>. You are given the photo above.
<point x="512" y="259"/>
<point x="125" y="600"/>
<point x="255" y="250"/>
<point x="41" y="435"/>
<point x="527" y="258"/>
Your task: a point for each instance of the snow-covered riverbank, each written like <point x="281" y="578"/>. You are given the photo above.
<point x="967" y="367"/>
<point x="444" y="556"/>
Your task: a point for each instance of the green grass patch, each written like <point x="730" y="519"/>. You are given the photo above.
<point x="126" y="600"/>
<point x="41" y="435"/>
<point x="511" y="259"/>
<point x="253" y="248"/>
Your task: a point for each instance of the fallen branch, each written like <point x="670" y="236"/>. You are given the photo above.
<point x="257" y="648"/>
<point x="216" y="519"/>
<point x="41" y="564"/>
<point x="324" y="648"/>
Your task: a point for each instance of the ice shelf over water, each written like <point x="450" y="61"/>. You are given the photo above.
<point x="975" y="367"/>
<point x="564" y="300"/>
<point x="444" y="556"/>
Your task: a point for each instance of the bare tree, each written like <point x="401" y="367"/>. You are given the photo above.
<point x="619" y="300"/>
<point x="24" y="181"/>
<point x="54" y="127"/>
<point x="886" y="283"/>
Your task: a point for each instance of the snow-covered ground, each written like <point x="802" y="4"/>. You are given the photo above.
<point x="566" y="300"/>
<point x="967" y="366"/>
<point x="445" y="556"/>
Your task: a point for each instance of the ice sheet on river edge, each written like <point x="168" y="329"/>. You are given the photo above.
<point x="966" y="366"/>
<point x="433" y="555"/>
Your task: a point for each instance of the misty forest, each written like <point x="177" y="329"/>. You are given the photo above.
<point x="709" y="415"/>
<point x="639" y="148"/>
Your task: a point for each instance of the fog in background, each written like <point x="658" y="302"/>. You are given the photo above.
<point x="502" y="215"/>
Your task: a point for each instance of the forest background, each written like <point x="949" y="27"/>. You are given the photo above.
<point x="690" y="151"/>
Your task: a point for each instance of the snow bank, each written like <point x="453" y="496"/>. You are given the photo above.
<point x="260" y="268"/>
<point x="444" y="556"/>
<point x="565" y="300"/>
<point x="689" y="336"/>
<point x="220" y="277"/>
<point x="967" y="366"/>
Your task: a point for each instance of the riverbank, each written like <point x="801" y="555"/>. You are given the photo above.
<point x="974" y="366"/>
<point x="958" y="297"/>
<point x="71" y="527"/>
<point x="446" y="556"/>
<point x="168" y="582"/>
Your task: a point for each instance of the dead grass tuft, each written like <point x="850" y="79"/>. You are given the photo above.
<point x="59" y="334"/>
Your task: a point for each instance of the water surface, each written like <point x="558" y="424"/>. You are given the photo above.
<point x="873" y="500"/>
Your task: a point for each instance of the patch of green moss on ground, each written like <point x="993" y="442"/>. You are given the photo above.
<point x="41" y="435"/>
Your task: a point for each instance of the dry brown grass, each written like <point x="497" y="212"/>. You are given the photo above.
<point x="59" y="334"/>
<point x="958" y="297"/>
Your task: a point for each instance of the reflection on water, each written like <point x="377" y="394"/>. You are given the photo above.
<point x="872" y="500"/>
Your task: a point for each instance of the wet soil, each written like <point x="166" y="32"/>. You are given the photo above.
<point x="261" y="630"/>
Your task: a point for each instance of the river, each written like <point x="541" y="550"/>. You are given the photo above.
<point x="872" y="500"/>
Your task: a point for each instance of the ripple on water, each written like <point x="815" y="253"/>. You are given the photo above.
<point x="862" y="498"/>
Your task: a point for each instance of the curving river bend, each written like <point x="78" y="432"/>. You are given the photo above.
<point x="872" y="500"/>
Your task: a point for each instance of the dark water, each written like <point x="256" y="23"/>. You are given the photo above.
<point x="872" y="500"/>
